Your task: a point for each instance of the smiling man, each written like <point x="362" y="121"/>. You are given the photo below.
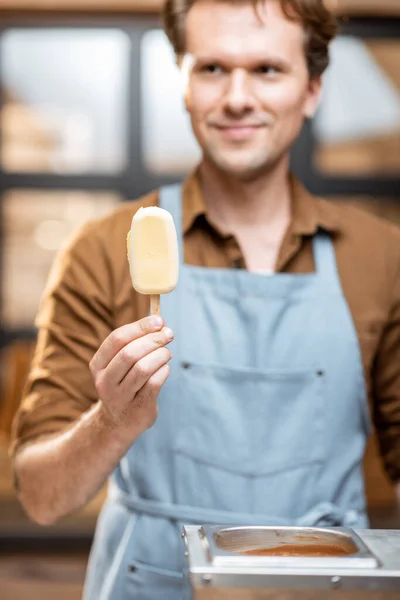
<point x="250" y="88"/>
<point x="286" y="323"/>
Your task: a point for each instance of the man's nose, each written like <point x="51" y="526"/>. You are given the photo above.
<point x="238" y="97"/>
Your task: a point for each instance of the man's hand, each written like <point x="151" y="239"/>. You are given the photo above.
<point x="129" y="370"/>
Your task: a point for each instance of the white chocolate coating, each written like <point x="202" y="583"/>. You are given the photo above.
<point x="153" y="252"/>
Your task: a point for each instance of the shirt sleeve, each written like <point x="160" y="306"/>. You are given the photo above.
<point x="74" y="318"/>
<point x="386" y="388"/>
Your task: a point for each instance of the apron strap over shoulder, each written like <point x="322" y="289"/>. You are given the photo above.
<point x="170" y="199"/>
<point x="325" y="258"/>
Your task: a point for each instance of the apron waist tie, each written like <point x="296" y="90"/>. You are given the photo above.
<point x="324" y="514"/>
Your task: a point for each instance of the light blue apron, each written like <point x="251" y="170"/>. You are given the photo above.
<point x="263" y="421"/>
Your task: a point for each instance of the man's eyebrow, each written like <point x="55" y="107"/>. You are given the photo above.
<point x="272" y="60"/>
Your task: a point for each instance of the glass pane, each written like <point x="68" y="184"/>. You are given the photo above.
<point x="65" y="96"/>
<point x="169" y="146"/>
<point x="358" y="124"/>
<point x="36" y="224"/>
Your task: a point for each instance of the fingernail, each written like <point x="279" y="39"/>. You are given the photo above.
<point x="169" y="333"/>
<point x="157" y="321"/>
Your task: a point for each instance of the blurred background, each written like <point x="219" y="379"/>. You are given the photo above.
<point x="91" y="115"/>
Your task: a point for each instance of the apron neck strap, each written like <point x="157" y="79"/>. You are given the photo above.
<point x="324" y="256"/>
<point x="170" y="198"/>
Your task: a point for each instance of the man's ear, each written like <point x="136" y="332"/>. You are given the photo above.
<point x="314" y="95"/>
<point x="186" y="99"/>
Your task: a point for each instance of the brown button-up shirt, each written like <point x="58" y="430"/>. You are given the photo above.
<point x="89" y="294"/>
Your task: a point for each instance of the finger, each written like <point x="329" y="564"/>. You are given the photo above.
<point x="152" y="387"/>
<point x="132" y="353"/>
<point x="119" y="338"/>
<point x="143" y="370"/>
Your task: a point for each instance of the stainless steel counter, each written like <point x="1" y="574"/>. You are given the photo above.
<point x="217" y="569"/>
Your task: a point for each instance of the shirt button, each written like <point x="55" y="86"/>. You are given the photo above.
<point x="185" y="365"/>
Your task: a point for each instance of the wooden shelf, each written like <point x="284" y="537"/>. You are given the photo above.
<point x="348" y="7"/>
<point x="379" y="8"/>
<point x="114" y="6"/>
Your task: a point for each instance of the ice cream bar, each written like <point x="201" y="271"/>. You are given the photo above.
<point x="153" y="254"/>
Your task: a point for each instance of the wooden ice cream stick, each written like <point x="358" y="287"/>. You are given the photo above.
<point x="155" y="304"/>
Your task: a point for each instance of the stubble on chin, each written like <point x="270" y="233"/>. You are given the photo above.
<point x="244" y="168"/>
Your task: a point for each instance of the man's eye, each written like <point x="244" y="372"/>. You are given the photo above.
<point x="267" y="70"/>
<point x="213" y="69"/>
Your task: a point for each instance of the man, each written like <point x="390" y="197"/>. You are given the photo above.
<point x="262" y="416"/>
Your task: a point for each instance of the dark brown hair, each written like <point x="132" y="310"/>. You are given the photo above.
<point x="319" y="23"/>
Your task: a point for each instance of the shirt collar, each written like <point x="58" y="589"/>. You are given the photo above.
<point x="309" y="213"/>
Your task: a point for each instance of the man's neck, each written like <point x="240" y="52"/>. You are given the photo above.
<point x="236" y="205"/>
<point x="256" y="212"/>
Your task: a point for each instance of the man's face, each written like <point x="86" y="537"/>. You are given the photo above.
<point x="248" y="88"/>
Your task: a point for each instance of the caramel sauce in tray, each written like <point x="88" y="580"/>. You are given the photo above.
<point x="308" y="550"/>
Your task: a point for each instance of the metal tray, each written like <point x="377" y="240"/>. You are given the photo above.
<point x="224" y="547"/>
